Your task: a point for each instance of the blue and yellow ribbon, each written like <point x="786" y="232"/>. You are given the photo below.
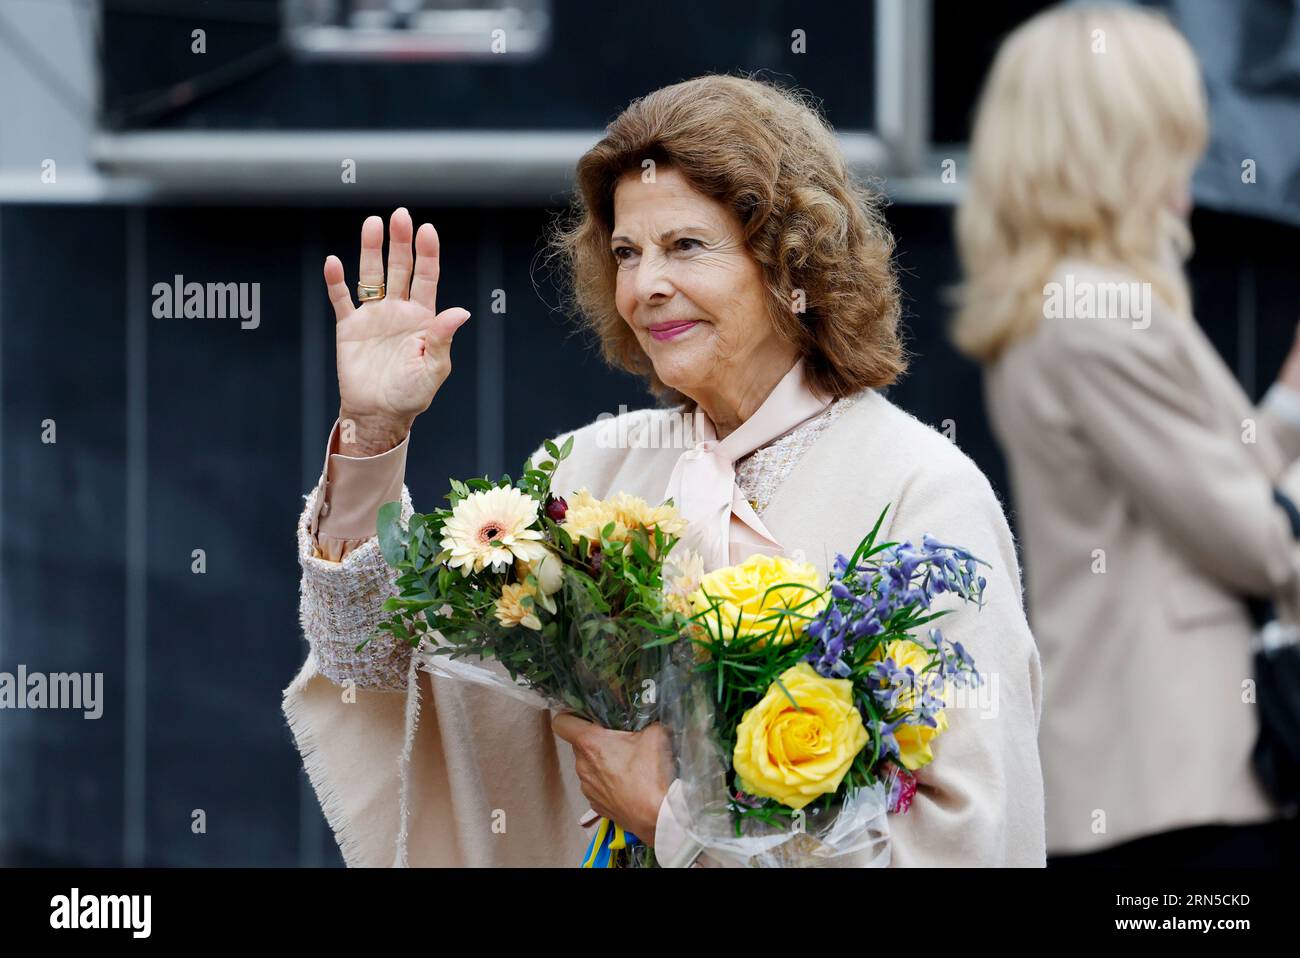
<point x="609" y="838"/>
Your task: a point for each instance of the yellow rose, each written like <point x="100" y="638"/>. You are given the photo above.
<point x="909" y="655"/>
<point x="914" y="741"/>
<point x="796" y="754"/>
<point x="741" y="593"/>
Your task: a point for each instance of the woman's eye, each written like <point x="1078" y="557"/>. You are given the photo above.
<point x="681" y="243"/>
<point x="619" y="251"/>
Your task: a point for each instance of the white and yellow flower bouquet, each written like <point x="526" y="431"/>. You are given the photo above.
<point x="573" y="597"/>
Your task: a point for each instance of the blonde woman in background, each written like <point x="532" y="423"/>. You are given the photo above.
<point x="1143" y="476"/>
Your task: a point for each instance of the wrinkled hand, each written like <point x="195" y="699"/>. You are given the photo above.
<point x="393" y="354"/>
<point x="624" y="775"/>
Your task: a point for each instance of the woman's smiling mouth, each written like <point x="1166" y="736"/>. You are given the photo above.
<point x="665" y="331"/>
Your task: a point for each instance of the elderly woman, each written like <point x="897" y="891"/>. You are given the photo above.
<point x="720" y="249"/>
<point x="1143" y="475"/>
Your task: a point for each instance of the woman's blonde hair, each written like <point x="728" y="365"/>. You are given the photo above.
<point x="1089" y="121"/>
<point x="767" y="154"/>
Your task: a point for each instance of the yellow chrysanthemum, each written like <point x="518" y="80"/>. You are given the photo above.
<point x="587" y="516"/>
<point x="510" y="609"/>
<point x="633" y="511"/>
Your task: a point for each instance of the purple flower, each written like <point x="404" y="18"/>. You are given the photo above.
<point x="931" y="544"/>
<point x="897" y="581"/>
<point x="867" y="625"/>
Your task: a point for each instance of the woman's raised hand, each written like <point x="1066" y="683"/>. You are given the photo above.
<point x="393" y="354"/>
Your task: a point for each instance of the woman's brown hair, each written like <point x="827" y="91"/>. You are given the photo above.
<point x="766" y="153"/>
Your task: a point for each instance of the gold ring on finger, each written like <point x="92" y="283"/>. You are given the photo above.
<point x="366" y="293"/>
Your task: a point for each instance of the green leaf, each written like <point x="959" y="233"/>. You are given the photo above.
<point x="391" y="534"/>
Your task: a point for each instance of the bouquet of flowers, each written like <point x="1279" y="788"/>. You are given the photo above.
<point x="808" y="709"/>
<point x="801" y="710"/>
<point x="567" y="596"/>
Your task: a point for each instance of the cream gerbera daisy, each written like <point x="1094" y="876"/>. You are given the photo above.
<point x="491" y="528"/>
